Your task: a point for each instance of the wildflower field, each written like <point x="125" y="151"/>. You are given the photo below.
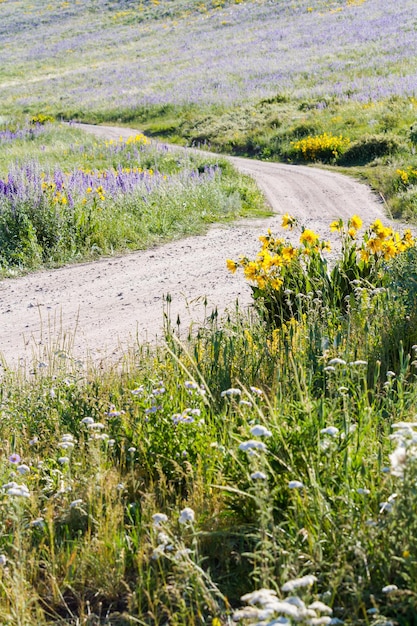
<point x="65" y="197"/>
<point x="327" y="81"/>
<point x="262" y="469"/>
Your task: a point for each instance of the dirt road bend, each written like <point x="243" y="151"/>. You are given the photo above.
<point x="100" y="308"/>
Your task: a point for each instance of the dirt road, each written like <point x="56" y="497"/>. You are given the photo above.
<point x="100" y="308"/>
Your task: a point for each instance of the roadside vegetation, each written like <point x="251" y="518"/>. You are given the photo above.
<point x="262" y="468"/>
<point x="266" y="452"/>
<point x="65" y="197"/>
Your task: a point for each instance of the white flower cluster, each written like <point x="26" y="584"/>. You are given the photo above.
<point x="264" y="608"/>
<point x="186" y="417"/>
<point x="14" y="489"/>
<point x="405" y="436"/>
<point x="96" y="429"/>
<point x="167" y="542"/>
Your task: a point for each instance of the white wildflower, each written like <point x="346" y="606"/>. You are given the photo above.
<point x="337" y="361"/>
<point x="295" y="484"/>
<point x="39" y="522"/>
<point x="95" y="425"/>
<point x="245" y="403"/>
<point x="65" y="445"/>
<point x="158" y="519"/>
<point x="67" y="437"/>
<point x="87" y="421"/>
<point x="252" y="444"/>
<point x="398" y="460"/>
<point x="247" y="613"/>
<point x="260" y="431"/>
<point x="329" y="368"/>
<point x="332" y="431"/>
<point x="163" y="538"/>
<point x="261" y="596"/>
<point x="23" y="469"/>
<point x="231" y="392"/>
<point x="76" y="503"/>
<point x="258" y="476"/>
<point x="363" y="491"/>
<point x="3" y="560"/>
<point x="320" y="607"/>
<point x="63" y="460"/>
<point x="389" y="588"/>
<point x="21" y="491"/>
<point x="304" y="581"/>
<point x="187" y="515"/>
<point x="256" y="391"/>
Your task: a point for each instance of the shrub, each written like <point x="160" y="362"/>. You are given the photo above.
<point x="368" y="148"/>
<point x="413" y="133"/>
<point x="325" y="147"/>
<point x="41" y="119"/>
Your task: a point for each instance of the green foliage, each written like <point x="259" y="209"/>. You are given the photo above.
<point x="413" y="134"/>
<point x="368" y="148"/>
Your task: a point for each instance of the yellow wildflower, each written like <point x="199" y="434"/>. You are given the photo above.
<point x="389" y="249"/>
<point x="365" y="255"/>
<point x="231" y="266"/>
<point x="352" y="233"/>
<point x="374" y="245"/>
<point x="408" y="238"/>
<point x="288" y="254"/>
<point x="276" y="283"/>
<point x="336" y="225"/>
<point x="251" y="270"/>
<point x="288" y="221"/>
<point x="355" y="222"/>
<point x="308" y="237"/>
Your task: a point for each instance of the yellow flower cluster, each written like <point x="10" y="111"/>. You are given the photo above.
<point x="382" y="241"/>
<point x="41" y="119"/>
<point x="49" y="188"/>
<point x="132" y="139"/>
<point x="320" y="147"/>
<point x="407" y="177"/>
<point x="277" y="258"/>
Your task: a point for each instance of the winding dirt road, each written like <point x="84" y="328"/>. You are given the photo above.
<point x="96" y="310"/>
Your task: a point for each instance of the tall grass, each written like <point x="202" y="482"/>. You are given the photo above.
<point x="246" y="457"/>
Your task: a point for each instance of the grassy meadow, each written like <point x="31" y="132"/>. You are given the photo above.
<point x="263" y="469"/>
